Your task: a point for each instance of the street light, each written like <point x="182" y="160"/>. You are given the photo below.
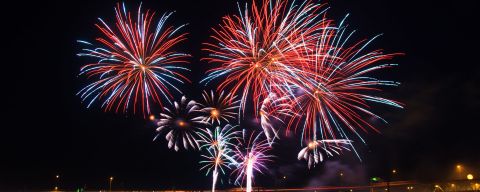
<point x="459" y="171"/>
<point x="470" y="176"/>
<point x="111" y="179"/>
<point x="57" y="177"/>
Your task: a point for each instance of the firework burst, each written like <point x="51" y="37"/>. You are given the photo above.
<point x="134" y="62"/>
<point x="182" y="124"/>
<point x="333" y="102"/>
<point x="217" y="146"/>
<point x="259" y="49"/>
<point x="313" y="152"/>
<point x="218" y="108"/>
<point x="250" y="155"/>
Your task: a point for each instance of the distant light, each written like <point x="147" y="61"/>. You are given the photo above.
<point x="453" y="185"/>
<point x="394" y="171"/>
<point x="284" y="177"/>
<point x="57" y="176"/>
<point x="341" y="174"/>
<point x="459" y="166"/>
<point x="56" y="188"/>
<point x="469" y="176"/>
<point x="351" y="190"/>
<point x="111" y="178"/>
<point x="151" y="117"/>
<point x="437" y="186"/>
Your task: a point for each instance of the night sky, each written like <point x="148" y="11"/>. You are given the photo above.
<point x="48" y="130"/>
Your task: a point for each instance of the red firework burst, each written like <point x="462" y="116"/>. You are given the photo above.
<point x="259" y="50"/>
<point x="334" y="100"/>
<point x="134" y="62"/>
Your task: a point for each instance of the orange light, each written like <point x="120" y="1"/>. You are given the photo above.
<point x="214" y="143"/>
<point x="151" y="117"/>
<point x="311" y="145"/>
<point x="394" y="171"/>
<point x="218" y="161"/>
<point x="181" y="123"/>
<point x="111" y="178"/>
<point x="214" y="113"/>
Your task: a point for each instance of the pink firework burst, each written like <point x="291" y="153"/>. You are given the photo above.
<point x="250" y="155"/>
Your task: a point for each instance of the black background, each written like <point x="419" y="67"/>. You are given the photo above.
<point x="48" y="130"/>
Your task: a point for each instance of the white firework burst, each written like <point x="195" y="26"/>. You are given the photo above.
<point x="181" y="124"/>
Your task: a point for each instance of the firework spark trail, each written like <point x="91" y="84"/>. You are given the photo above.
<point x="250" y="155"/>
<point x="333" y="103"/>
<point x="312" y="153"/>
<point x="183" y="124"/>
<point x="218" y="148"/>
<point x="219" y="108"/>
<point x="273" y="108"/>
<point x="259" y="50"/>
<point x="135" y="62"/>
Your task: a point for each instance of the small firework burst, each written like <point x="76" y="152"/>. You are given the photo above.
<point x="250" y="155"/>
<point x="217" y="149"/>
<point x="219" y="108"/>
<point x="313" y="152"/>
<point x="182" y="123"/>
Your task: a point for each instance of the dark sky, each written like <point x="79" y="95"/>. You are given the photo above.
<point x="48" y="131"/>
